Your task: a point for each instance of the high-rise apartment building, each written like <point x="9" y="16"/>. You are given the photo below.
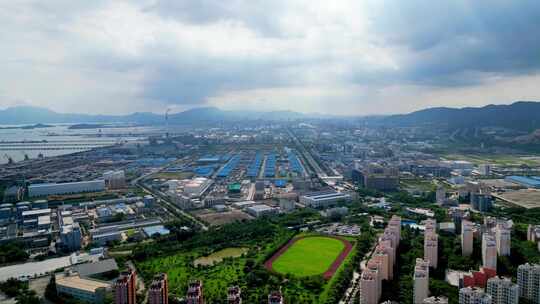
<point x="369" y="284"/>
<point x="380" y="266"/>
<point x="394" y="225"/>
<point x="489" y="251"/>
<point x="71" y="237"/>
<point x="431" y="247"/>
<point x="158" y="292"/>
<point x="275" y="297"/>
<point x="195" y="292"/>
<point x="502" y="291"/>
<point x="382" y="257"/>
<point x="466" y="238"/>
<point x="440" y="195"/>
<point x="421" y="281"/>
<point x="381" y="178"/>
<point x="533" y="233"/>
<point x="125" y="288"/>
<point x="502" y="236"/>
<point x="528" y="280"/>
<point x="115" y="179"/>
<point x="470" y="295"/>
<point x="375" y="268"/>
<point x="234" y="295"/>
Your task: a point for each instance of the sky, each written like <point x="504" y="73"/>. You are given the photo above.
<point x="340" y="57"/>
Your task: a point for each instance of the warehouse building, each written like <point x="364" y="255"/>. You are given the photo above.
<point x="261" y="210"/>
<point x="86" y="290"/>
<point x="39" y="190"/>
<point x="324" y="198"/>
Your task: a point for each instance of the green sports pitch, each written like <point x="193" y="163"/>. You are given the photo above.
<point x="308" y="256"/>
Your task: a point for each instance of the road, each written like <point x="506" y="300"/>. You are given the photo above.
<point x="352" y="292"/>
<point x="164" y="199"/>
<point x="172" y="207"/>
<point x="354" y="288"/>
<point x="307" y="155"/>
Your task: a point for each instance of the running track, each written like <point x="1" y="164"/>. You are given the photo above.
<point x="330" y="271"/>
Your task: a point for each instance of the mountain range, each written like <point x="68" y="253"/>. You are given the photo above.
<point x="32" y="115"/>
<point x="521" y="115"/>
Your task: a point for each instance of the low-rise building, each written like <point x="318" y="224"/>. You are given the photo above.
<point x="261" y="210"/>
<point x="40" y="190"/>
<point x="324" y="199"/>
<point x="83" y="289"/>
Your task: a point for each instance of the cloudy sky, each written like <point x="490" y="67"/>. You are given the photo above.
<point x="339" y="57"/>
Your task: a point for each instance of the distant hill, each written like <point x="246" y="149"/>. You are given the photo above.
<point x="35" y="115"/>
<point x="521" y="115"/>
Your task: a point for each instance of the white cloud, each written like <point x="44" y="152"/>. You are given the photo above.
<point x="340" y="57"/>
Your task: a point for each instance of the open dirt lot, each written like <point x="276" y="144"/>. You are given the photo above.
<point x="214" y="218"/>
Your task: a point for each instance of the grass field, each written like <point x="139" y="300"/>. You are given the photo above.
<point x="218" y="256"/>
<point x="497" y="159"/>
<point x="309" y="256"/>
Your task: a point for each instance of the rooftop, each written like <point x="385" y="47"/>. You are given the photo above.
<point x="260" y="208"/>
<point x="80" y="283"/>
<point x="90" y="269"/>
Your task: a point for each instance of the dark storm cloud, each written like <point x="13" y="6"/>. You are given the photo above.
<point x="437" y="43"/>
<point x="453" y="43"/>
<point x="191" y="83"/>
<point x="259" y="15"/>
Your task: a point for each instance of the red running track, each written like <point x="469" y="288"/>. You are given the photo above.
<point x="329" y="272"/>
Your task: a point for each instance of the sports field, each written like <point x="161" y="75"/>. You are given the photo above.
<point x="309" y="256"/>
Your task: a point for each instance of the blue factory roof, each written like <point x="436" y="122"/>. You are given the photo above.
<point x="525" y="180"/>
<point x="204" y="170"/>
<point x="270" y="165"/>
<point x="280" y="183"/>
<point x="294" y="163"/>
<point x="322" y="195"/>
<point x="209" y="159"/>
<point x="229" y="166"/>
<point x="255" y="166"/>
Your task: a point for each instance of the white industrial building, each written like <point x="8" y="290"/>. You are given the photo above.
<point x="186" y="193"/>
<point x="38" y="190"/>
<point x="244" y="204"/>
<point x="324" y="198"/>
<point x="102" y="236"/>
<point x="261" y="210"/>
